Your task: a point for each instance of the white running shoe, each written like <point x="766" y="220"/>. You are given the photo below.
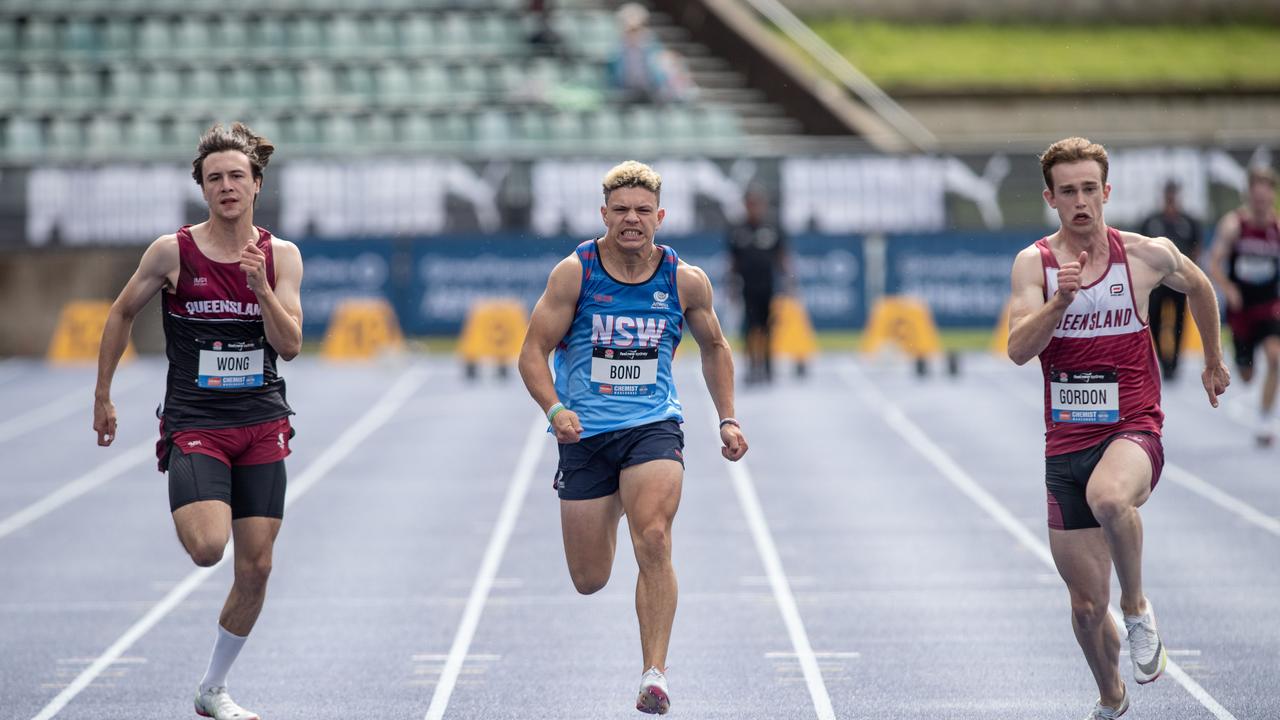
<point x="1102" y="712"/>
<point x="653" y="699"/>
<point x="1145" y="649"/>
<point x="215" y="703"/>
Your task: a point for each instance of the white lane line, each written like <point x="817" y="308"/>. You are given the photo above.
<point x="378" y="415"/>
<point x="782" y="594"/>
<point x="1185" y="478"/>
<point x="1221" y="498"/>
<point x="915" y="436"/>
<point x="110" y="470"/>
<point x="507" y="516"/>
<point x="54" y="410"/>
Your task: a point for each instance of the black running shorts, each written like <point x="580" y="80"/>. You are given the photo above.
<point x="1066" y="477"/>
<point x="590" y="468"/>
<point x="250" y="490"/>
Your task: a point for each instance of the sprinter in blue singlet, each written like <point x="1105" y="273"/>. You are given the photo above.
<point x="614" y="311"/>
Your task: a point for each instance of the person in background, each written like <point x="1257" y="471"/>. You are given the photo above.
<point x="757" y="258"/>
<point x="1169" y="305"/>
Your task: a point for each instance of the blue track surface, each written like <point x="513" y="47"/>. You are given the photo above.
<point x="916" y="601"/>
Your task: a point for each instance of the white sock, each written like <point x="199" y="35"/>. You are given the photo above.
<point x="225" y="650"/>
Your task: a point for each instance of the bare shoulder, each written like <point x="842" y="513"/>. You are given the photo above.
<point x="566" y="278"/>
<point x="1027" y="265"/>
<point x="1159" y="253"/>
<point x="694" y="285"/>
<point x="161" y="255"/>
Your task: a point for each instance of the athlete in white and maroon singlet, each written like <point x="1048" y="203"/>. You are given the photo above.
<point x="1079" y="302"/>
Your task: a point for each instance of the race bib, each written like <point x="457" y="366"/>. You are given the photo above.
<point x="228" y="365"/>
<point x="629" y="371"/>
<point x="1255" y="270"/>
<point x="1084" y="396"/>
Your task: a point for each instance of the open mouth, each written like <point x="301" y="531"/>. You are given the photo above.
<point x="1080" y="217"/>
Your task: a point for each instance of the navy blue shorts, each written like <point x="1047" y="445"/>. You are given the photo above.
<point x="590" y="468"/>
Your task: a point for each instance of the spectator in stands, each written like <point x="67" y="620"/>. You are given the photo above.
<point x="642" y="69"/>
<point x="757" y="258"/>
<point x="1170" y="305"/>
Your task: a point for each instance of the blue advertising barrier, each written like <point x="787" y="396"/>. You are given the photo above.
<point x="962" y="276"/>
<point x="432" y="282"/>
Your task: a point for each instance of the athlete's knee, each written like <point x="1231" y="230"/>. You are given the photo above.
<point x="252" y="573"/>
<point x="1088" y="612"/>
<point x="589" y="582"/>
<point x="654" y="543"/>
<point x="205" y="553"/>
<point x="1110" y="507"/>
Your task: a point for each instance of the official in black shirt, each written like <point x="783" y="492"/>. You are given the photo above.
<point x="757" y="252"/>
<point x="1166" y="304"/>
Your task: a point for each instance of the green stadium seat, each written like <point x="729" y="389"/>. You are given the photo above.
<point x="451" y="128"/>
<point x="718" y="123"/>
<point x="416" y="130"/>
<point x="231" y="34"/>
<point x="678" y="124"/>
<point x="23" y="137"/>
<point x="40" y="88"/>
<point x="340" y="132"/>
<point x="117" y="38"/>
<point x="300" y="131"/>
<point x="380" y="130"/>
<point x="394" y="85"/>
<point x="417" y="34"/>
<point x="532" y="128"/>
<point x="124" y="86"/>
<point x="268" y="36"/>
<point x="66" y="136"/>
<point x="493" y="130"/>
<point x="161" y="86"/>
<point x="304" y="36"/>
<point x="194" y="35"/>
<point x="244" y="84"/>
<point x="9" y="44"/>
<point x="469" y="82"/>
<point x="345" y="36"/>
<point x="356" y="84"/>
<point x="39" y="38"/>
<point x="431" y="82"/>
<point x="565" y="130"/>
<point x="104" y="136"/>
<point x="640" y="123"/>
<point x="604" y="127"/>
<point x="10" y="96"/>
<point x="279" y="85"/>
<point x="81" y="86"/>
<point x="379" y="37"/>
<point x="79" y="38"/>
<point x="155" y="38"/>
<point x="204" y="86"/>
<point x="143" y="135"/>
<point x="455" y="37"/>
<point x="316" y="85"/>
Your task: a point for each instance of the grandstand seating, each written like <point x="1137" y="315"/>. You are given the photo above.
<point x="138" y="79"/>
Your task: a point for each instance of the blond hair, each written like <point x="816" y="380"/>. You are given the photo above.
<point x="632" y="174"/>
<point x="238" y="137"/>
<point x="1069" y="150"/>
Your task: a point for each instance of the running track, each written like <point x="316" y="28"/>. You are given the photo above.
<point x="879" y="554"/>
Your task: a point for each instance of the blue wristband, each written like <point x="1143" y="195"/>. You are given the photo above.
<point x="553" y="410"/>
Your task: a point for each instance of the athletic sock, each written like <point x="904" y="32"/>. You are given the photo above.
<point x="225" y="650"/>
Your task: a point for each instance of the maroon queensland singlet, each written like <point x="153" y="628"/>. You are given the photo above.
<point x="1254" y="264"/>
<point x="222" y="371"/>
<point x="1100" y="371"/>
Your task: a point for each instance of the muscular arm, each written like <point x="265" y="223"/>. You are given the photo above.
<point x="548" y="324"/>
<point x="1031" y="319"/>
<point x="1224" y="239"/>
<point x="1178" y="272"/>
<point x="282" y="305"/>
<point x="696" y="298"/>
<point x="158" y="262"/>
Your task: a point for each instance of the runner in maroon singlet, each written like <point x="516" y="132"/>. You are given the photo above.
<point x="1079" y="302"/>
<point x="1246" y="266"/>
<point x="231" y="307"/>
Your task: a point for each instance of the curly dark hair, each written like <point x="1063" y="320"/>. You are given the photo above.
<point x="238" y="137"/>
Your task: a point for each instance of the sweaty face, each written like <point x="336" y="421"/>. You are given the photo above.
<point x="631" y="217"/>
<point x="1078" y="195"/>
<point x="229" y="185"/>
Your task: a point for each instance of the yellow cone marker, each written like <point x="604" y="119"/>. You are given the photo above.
<point x="361" y="329"/>
<point x="79" y="332"/>
<point x="905" y="322"/>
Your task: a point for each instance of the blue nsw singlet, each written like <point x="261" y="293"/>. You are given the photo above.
<point x="613" y="368"/>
